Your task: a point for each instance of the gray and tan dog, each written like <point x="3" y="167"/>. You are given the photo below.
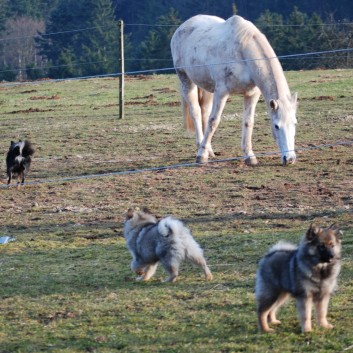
<point x="167" y="241"/>
<point x="308" y="272"/>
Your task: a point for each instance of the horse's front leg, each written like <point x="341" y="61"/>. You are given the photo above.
<point x="250" y="101"/>
<point x="205" y="101"/>
<point x="219" y="102"/>
<point x="195" y="112"/>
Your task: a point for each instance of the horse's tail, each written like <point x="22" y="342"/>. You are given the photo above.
<point x="188" y="122"/>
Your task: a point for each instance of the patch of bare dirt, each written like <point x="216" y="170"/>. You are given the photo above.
<point x="138" y="77"/>
<point x="149" y="102"/>
<point x="150" y="97"/>
<point x="29" y="91"/>
<point x="54" y="96"/>
<point x="106" y="106"/>
<point x="172" y="104"/>
<point x="164" y="90"/>
<point x="31" y="110"/>
<point x="344" y="118"/>
<point x="323" y="98"/>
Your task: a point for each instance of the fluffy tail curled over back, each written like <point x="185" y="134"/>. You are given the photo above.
<point x="184" y="245"/>
<point x="169" y="225"/>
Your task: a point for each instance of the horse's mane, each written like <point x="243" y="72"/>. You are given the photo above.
<point x="244" y="30"/>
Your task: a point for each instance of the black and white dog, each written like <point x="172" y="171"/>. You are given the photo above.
<point x="18" y="161"/>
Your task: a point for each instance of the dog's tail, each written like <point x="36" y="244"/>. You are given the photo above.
<point x="27" y="149"/>
<point x="169" y="226"/>
<point x="185" y="246"/>
<point x="282" y="246"/>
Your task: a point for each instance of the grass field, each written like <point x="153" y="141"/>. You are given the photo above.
<point x="66" y="285"/>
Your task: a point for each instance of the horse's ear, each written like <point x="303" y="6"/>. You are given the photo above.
<point x="273" y="104"/>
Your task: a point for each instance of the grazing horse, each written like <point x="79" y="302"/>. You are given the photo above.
<point x="214" y="58"/>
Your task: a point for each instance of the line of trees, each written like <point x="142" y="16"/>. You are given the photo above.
<point x="73" y="38"/>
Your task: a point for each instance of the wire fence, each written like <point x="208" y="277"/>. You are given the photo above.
<point x="136" y="60"/>
<point x="161" y="26"/>
<point x="309" y="55"/>
<point x="177" y="166"/>
<point x="161" y="70"/>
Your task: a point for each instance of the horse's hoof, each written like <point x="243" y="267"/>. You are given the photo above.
<point x="251" y="161"/>
<point x="201" y="159"/>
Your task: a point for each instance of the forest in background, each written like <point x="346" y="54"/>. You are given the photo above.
<point x="74" y="38"/>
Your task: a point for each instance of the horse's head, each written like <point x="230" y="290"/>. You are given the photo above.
<point x="283" y="123"/>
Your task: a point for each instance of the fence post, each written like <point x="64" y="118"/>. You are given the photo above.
<point x="122" y="71"/>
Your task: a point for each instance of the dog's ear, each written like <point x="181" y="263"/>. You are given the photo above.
<point x="335" y="228"/>
<point x="146" y="210"/>
<point x="312" y="232"/>
<point x="12" y="143"/>
<point x="130" y="213"/>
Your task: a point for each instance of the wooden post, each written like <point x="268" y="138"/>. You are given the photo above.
<point x="122" y="71"/>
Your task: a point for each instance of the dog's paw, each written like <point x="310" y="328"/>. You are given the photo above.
<point x="209" y="277"/>
<point x="327" y="326"/>
<point x="170" y="279"/>
<point x="267" y="330"/>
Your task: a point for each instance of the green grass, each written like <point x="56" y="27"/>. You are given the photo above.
<point x="66" y="285"/>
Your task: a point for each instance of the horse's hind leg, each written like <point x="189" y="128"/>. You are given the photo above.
<point x="189" y="92"/>
<point x="250" y="100"/>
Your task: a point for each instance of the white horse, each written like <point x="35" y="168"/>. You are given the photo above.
<point x="214" y="58"/>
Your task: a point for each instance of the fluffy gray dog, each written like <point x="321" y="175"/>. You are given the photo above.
<point x="308" y="272"/>
<point x="167" y="241"/>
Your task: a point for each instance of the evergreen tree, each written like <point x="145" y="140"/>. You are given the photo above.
<point x="336" y="36"/>
<point x="35" y="9"/>
<point x="301" y="36"/>
<point x="82" y="40"/>
<point x="102" y="47"/>
<point x="314" y="39"/>
<point x="271" y="24"/>
<point x="155" y="50"/>
<point x="3" y="12"/>
<point x="295" y="32"/>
